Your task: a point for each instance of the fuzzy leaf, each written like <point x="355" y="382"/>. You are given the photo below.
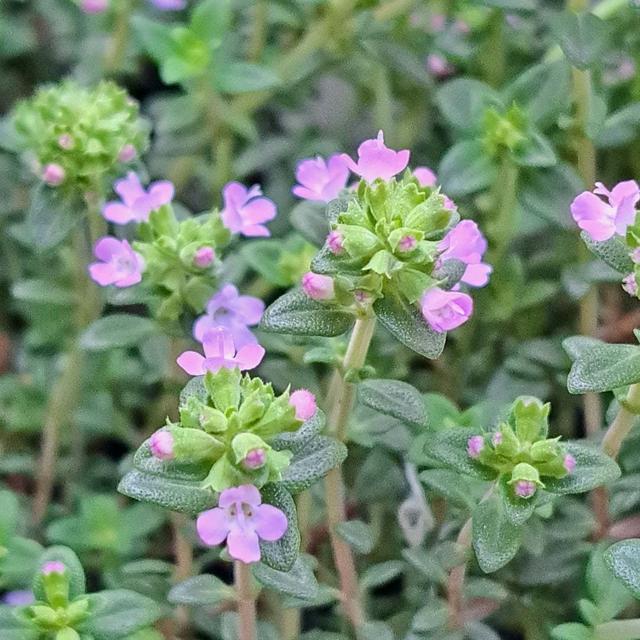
<point x="358" y="535"/>
<point x="299" y="581"/>
<point x="450" y="448"/>
<point x="202" y="590"/>
<point x="117" y="330"/>
<point x="623" y="558"/>
<point x="613" y="251"/>
<point x="517" y="510"/>
<point x="281" y="554"/>
<point x="581" y="36"/>
<point x="50" y="218"/>
<point x="394" y="398"/>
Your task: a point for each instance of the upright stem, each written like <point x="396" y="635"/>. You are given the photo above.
<point x="623" y="423"/>
<point x="246" y="602"/>
<point x="455" y="583"/>
<point x="505" y="198"/>
<point x="118" y="44"/>
<point x="341" y="396"/>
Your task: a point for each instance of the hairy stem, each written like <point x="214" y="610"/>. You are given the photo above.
<point x="341" y="396"/>
<point x="455" y="583"/>
<point x="623" y="423"/>
<point x="246" y="601"/>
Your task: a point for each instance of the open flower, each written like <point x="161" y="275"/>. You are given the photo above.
<point x="245" y="210"/>
<point x="242" y="520"/>
<point x="425" y="176"/>
<point x="375" y="160"/>
<point x="220" y="352"/>
<point x="137" y="204"/>
<point x="446" y="310"/>
<point x="466" y="243"/>
<point x="321" y="180"/>
<point x="120" y="265"/>
<point x="601" y="220"/>
<point x="230" y="310"/>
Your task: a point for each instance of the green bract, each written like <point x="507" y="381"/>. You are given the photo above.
<point x="82" y="130"/>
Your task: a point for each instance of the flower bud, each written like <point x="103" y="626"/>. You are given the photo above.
<point x="318" y="287"/>
<point x="630" y="284"/>
<point x="53" y="566"/>
<point x="66" y="142"/>
<point x="55" y="581"/>
<point x="544" y="450"/>
<point x="407" y="244"/>
<point x="569" y="463"/>
<point x="203" y="257"/>
<point x="334" y="242"/>
<point x="525" y="480"/>
<point x="525" y="489"/>
<point x="94" y="6"/>
<point x="255" y="459"/>
<point x="185" y="445"/>
<point x="53" y="174"/>
<point x="361" y="296"/>
<point x="304" y="403"/>
<point x="496" y="438"/>
<point x="475" y="445"/>
<point x="127" y="153"/>
<point x="161" y="445"/>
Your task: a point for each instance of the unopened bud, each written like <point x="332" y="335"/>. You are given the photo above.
<point x="53" y="174"/>
<point x="203" y="257"/>
<point x="318" y="287"/>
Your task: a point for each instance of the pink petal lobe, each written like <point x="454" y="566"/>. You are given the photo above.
<point x="249" y="356"/>
<point x="213" y="526"/>
<point x="191" y="362"/>
<point x="243" y="545"/>
<point x="270" y="523"/>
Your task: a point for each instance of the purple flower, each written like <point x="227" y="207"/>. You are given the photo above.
<point x="601" y="220"/>
<point x="53" y="174"/>
<point x="466" y="243"/>
<point x="375" y="160"/>
<point x="161" y="445"/>
<point x="232" y="311"/>
<point x="569" y="463"/>
<point x="335" y="242"/>
<point x="169" y="5"/>
<point x="304" y="402"/>
<point x="120" y="265"/>
<point x="425" y="176"/>
<point x="317" y="286"/>
<point x="243" y="521"/>
<point x="137" y="203"/>
<point x="220" y="352"/>
<point x="438" y="66"/>
<point x="18" y="598"/>
<point x="525" y="488"/>
<point x="630" y="284"/>
<point x="53" y="566"/>
<point x="445" y="310"/>
<point x="320" y="180"/>
<point x="245" y="210"/>
<point x="475" y="444"/>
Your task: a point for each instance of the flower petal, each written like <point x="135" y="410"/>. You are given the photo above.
<point x="192" y="363"/>
<point x="246" y="493"/>
<point x="270" y="523"/>
<point x="243" y="544"/>
<point x="117" y="213"/>
<point x="249" y="356"/>
<point x="213" y="526"/>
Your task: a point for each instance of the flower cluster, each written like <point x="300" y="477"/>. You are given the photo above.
<point x="605" y="214"/>
<point x="392" y="235"/>
<point x="77" y="137"/>
<point x="520" y="450"/>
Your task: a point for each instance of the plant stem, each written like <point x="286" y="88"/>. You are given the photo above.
<point x="246" y="601"/>
<point x="341" y="395"/>
<point x="258" y="31"/>
<point x="618" y="630"/>
<point x="118" y="45"/>
<point x="622" y="424"/>
<point x="455" y="583"/>
<point x="504" y="197"/>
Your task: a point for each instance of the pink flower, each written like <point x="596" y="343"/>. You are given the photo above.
<point x="438" y="66"/>
<point x="53" y="174"/>
<point x="475" y="444"/>
<point x="230" y="310"/>
<point x="425" y="176"/>
<point x="243" y="521"/>
<point x="466" y="243"/>
<point x="220" y="352"/>
<point x="255" y="459"/>
<point x="446" y="310"/>
<point x="127" y="153"/>
<point x="525" y="488"/>
<point x="569" y="463"/>
<point x="304" y="402"/>
<point x="94" y="6"/>
<point x="137" y="203"/>
<point x="317" y="286"/>
<point x="601" y="220"/>
<point x="320" y="180"/>
<point x="334" y="242"/>
<point x="245" y="210"/>
<point x="375" y="160"/>
<point x="161" y="445"/>
<point x="630" y="284"/>
<point x="204" y="257"/>
<point x="120" y="265"/>
<point x="53" y="566"/>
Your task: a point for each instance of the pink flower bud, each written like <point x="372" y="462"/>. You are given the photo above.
<point x="53" y="566"/>
<point x="334" y="242"/>
<point x="438" y="66"/>
<point x="53" y="174"/>
<point x="525" y="488"/>
<point x="94" y="6"/>
<point x="127" y="153"/>
<point x="304" y="402"/>
<point x="407" y="243"/>
<point x="204" y="257"/>
<point x="318" y="287"/>
<point x="161" y="445"/>
<point x="255" y="459"/>
<point x="569" y="463"/>
<point x="362" y="297"/>
<point x="496" y="438"/>
<point x="630" y="284"/>
<point x="475" y="444"/>
<point x="66" y="142"/>
<point x="635" y="255"/>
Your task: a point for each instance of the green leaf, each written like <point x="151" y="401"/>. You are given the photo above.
<point x="604" y="367"/>
<point x="463" y="102"/>
<point x="183" y="496"/>
<point x="623" y="558"/>
<point x="495" y="539"/>
<point x="572" y="631"/>
<point x="583" y="37"/>
<point x="119" y="612"/>
<point x="299" y="581"/>
<point x="406" y="323"/>
<point x="593" y="469"/>
<point x="358" y="535"/>
<point x="613" y="251"/>
<point x="451" y="485"/>
<point x="379" y="574"/>
<point x="510" y="5"/>
<point x="202" y="590"/>
<point x="394" y="398"/>
<point x="309" y="220"/>
<point x="243" y="77"/>
<point x="296" y="313"/>
<point x="42" y="292"/>
<point x="211" y="19"/>
<point x="620" y="127"/>
<point x="117" y="330"/>
<point x="155" y="37"/>
<point x="77" y="582"/>
<point x="281" y="554"/>
<point x="16" y="626"/>
<point x="517" y="510"/>
<point x="450" y="448"/>
<point x="50" y="218"/>
<point x="537" y="151"/>
<point x="577" y="345"/>
<point x="466" y="168"/>
<point x="375" y="630"/>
